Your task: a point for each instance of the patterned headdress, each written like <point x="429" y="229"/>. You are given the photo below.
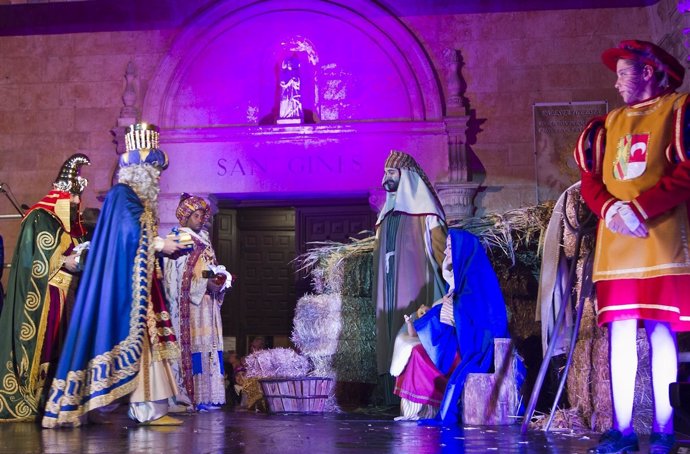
<point x="68" y="179"/>
<point x="141" y="141"/>
<point x="189" y="204"/>
<point x="401" y="160"/>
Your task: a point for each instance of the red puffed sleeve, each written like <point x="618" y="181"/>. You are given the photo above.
<point x="673" y="188"/>
<point x="589" y="154"/>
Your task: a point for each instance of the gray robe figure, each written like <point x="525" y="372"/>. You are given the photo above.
<point x="408" y="253"/>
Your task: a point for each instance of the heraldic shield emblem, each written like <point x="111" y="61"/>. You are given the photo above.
<point x="631" y="156"/>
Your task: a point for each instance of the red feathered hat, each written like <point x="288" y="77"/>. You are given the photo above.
<point x="649" y="54"/>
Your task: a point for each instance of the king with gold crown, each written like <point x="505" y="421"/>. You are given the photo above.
<point x="120" y="340"/>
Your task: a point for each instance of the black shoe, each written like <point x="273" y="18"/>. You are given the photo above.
<point x="660" y="443"/>
<point x="614" y="442"/>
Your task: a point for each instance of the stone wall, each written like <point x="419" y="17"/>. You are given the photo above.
<point x="63" y="93"/>
<point x="513" y="60"/>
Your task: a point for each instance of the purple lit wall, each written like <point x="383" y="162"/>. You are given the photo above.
<point x="367" y="87"/>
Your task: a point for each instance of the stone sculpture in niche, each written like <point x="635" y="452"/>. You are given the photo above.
<point x="290" y="103"/>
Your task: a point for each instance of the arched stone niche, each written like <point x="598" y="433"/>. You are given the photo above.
<point x="367" y="81"/>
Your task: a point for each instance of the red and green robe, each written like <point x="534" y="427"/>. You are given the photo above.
<point x="33" y="321"/>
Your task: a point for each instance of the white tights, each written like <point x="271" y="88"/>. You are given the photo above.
<point x="663" y="354"/>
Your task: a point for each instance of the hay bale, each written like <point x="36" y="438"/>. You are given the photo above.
<point x="589" y="382"/>
<point x="359" y="274"/>
<point x="317" y="324"/>
<point x="322" y="365"/>
<point x="579" y="381"/>
<point x="355" y="360"/>
<point x="355" y="357"/>
<point x="350" y="274"/>
<point x="575" y="209"/>
<point x="358" y="318"/>
<point x="600" y="418"/>
<point x="519" y="288"/>
<point x="521" y="320"/>
<point x="644" y="399"/>
<point x="337" y="333"/>
<point x="340" y="267"/>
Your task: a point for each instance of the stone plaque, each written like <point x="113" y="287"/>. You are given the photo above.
<point x="556" y="129"/>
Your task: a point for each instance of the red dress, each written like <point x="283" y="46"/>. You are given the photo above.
<point x="421" y="381"/>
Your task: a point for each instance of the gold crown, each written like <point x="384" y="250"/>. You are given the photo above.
<point x="141" y="136"/>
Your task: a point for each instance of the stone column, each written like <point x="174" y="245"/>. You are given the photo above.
<point x="452" y="61"/>
<point x="129" y="112"/>
<point x="457" y="194"/>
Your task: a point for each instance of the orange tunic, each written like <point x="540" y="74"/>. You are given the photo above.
<point x="633" y="156"/>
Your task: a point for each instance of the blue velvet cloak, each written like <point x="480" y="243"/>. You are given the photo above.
<point x="101" y="355"/>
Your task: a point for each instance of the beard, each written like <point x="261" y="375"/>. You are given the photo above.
<point x="390" y="185"/>
<point x="73" y="212"/>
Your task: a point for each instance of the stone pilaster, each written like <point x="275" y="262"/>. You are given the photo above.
<point x="129" y="112"/>
<point x="457" y="199"/>
<point x="457" y="194"/>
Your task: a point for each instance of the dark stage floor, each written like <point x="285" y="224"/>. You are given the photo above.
<point x="252" y="433"/>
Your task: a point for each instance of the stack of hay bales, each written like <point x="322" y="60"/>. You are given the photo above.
<point x="336" y="327"/>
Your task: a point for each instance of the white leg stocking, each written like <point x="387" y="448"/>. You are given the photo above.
<point x="663" y="354"/>
<point x="623" y="358"/>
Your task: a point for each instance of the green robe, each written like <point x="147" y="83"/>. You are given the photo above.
<point x="30" y="335"/>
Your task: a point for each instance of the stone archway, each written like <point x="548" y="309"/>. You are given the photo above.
<point x="375" y="89"/>
<point x="357" y="39"/>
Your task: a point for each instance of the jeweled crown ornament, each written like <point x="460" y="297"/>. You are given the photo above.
<point x="141" y="136"/>
<point x="141" y="142"/>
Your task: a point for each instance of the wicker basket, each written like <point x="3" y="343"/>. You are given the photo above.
<point x="296" y="395"/>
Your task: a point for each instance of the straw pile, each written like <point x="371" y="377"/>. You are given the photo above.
<point x="513" y="243"/>
<point x="271" y="363"/>
<point x="276" y="363"/>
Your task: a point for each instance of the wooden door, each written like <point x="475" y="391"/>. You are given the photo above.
<point x="258" y="245"/>
<point x="263" y="300"/>
<point x="332" y="222"/>
<point x="226" y="243"/>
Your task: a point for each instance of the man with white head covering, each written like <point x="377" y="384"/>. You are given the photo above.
<point x="195" y="286"/>
<point x="408" y="252"/>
